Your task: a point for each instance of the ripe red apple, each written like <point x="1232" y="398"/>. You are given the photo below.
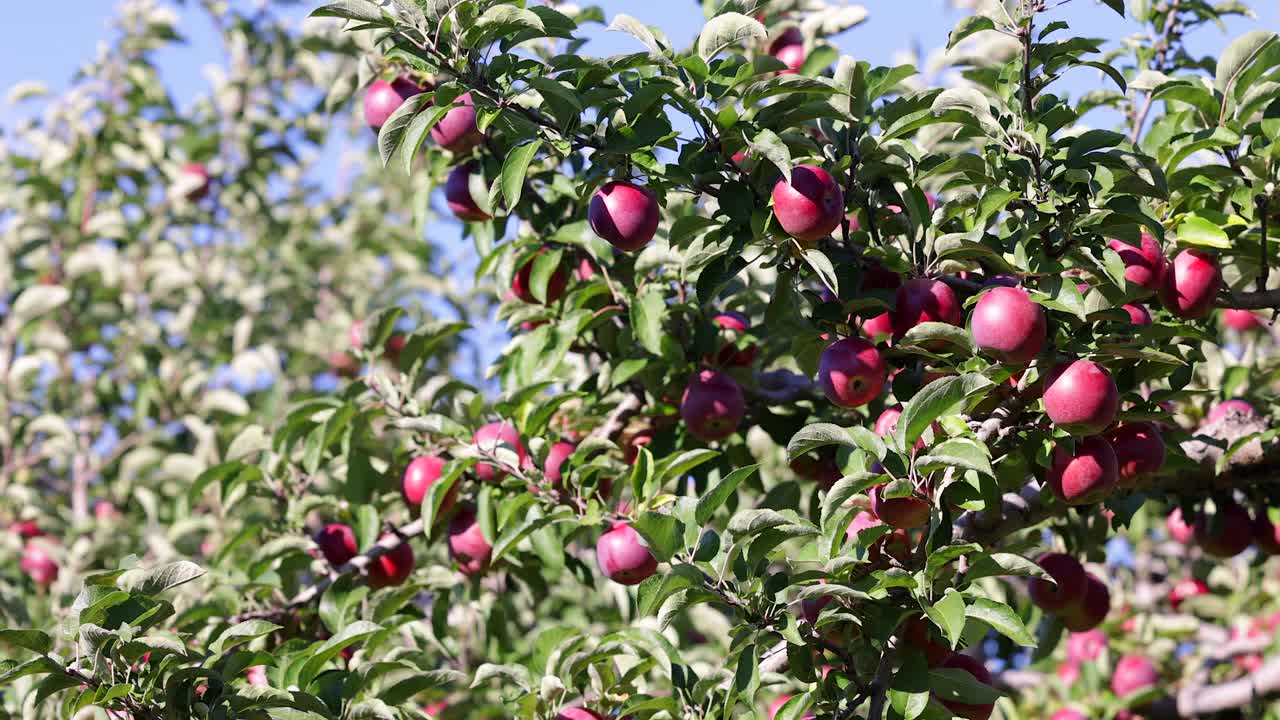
<point x="1008" y="325"/>
<point x="556" y="456"/>
<point x="1139" y="450"/>
<point x="26" y="529"/>
<point x="1068" y="586"/>
<point x="820" y="466"/>
<point x="1138" y="315"/>
<point x="789" y="48"/>
<point x="435" y="709"/>
<point x="1191" y="284"/>
<point x="467" y="546"/>
<point x="712" y="406"/>
<point x="104" y="511"/>
<point x="625" y="214"/>
<point x="489" y="439"/>
<point x="623" y="556"/>
<point x="851" y="372"/>
<point x="1090" y="613"/>
<point x="1178" y="528"/>
<point x="256" y="675"/>
<point x="1081" y="397"/>
<point x="1068" y="672"/>
<point x="1069" y="714"/>
<point x="809" y="204"/>
<point x="975" y="668"/>
<point x="421" y="473"/>
<point x="733" y="323"/>
<point x="1133" y="673"/>
<point x="1226" y="407"/>
<point x="384" y="98"/>
<point x="1226" y="532"/>
<point x="1266" y="537"/>
<point x="457" y="131"/>
<point x="920" y="633"/>
<point x="1186" y="588"/>
<point x="897" y="544"/>
<point x="907" y="512"/>
<point x="585" y="270"/>
<point x="1086" y="646"/>
<point x="1144" y="266"/>
<point x="337" y="543"/>
<point x="887" y="423"/>
<point x="923" y="300"/>
<point x="578" y="713"/>
<point x="196" y="176"/>
<point x="392" y="567"/>
<point x="1086" y="474"/>
<point x="522" y="283"/>
<point x="457" y="195"/>
<point x="632" y="440"/>
<point x="38" y="563"/>
<point x="1243" y="320"/>
<point x="879" y="328"/>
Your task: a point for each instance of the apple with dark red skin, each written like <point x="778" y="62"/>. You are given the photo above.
<point x="196" y="176"/>
<point x="1191" y="284"/>
<point x="457" y="131"/>
<point x="1133" y="673"/>
<point x="467" y="546"/>
<point x="1086" y="646"/>
<point x="1186" y="588"/>
<point x="457" y="195"/>
<point x="1139" y="450"/>
<point x="1144" y="265"/>
<point x="1092" y="610"/>
<point x="712" y="406"/>
<point x="789" y="48"/>
<point x="904" y="513"/>
<point x="489" y="439"/>
<point x="384" y="98"/>
<point x="1067" y="588"/>
<point x="337" y="543"/>
<point x="734" y="323"/>
<point x="632" y="440"/>
<point x="1081" y="397"/>
<point x="1266" y="536"/>
<point x="1008" y="325"/>
<point x="522" y="283"/>
<point x="920" y="633"/>
<point x="879" y="328"/>
<point x="1178" y="528"/>
<point x="897" y="544"/>
<point x="1227" y="407"/>
<point x="392" y="567"/>
<point x="578" y="713"/>
<point x="26" y="529"/>
<point x="820" y="466"/>
<point x="624" y="214"/>
<point x="809" y="204"/>
<point x="978" y="671"/>
<point x="851" y="372"/>
<point x="1243" y="320"/>
<point x="923" y="300"/>
<point x="1225" y="533"/>
<point x="623" y="556"/>
<point x="1086" y="474"/>
<point x="38" y="563"/>
<point x="1138" y="315"/>
<point x="421" y="473"/>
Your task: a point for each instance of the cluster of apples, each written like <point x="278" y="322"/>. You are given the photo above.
<point x="1079" y="599"/>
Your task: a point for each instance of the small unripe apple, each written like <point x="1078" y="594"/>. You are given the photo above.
<point x="809" y="204"/>
<point x="421" y="473"/>
<point x="1144" y="265"/>
<point x="384" y="98"/>
<point x="1138" y="314"/>
<point x="38" y="563"/>
<point x="457" y="131"/>
<point x="578" y="713"/>
<point x="1139" y="450"/>
<point x="1067" y="588"/>
<point x="975" y="668"/>
<point x="905" y="513"/>
<point x="1133" y="673"/>
<point x="1086" y="474"/>
<point x="1086" y="646"/>
<point x="195" y="176"/>
<point x="734" y="323"/>
<point x="467" y="546"/>
<point x="489" y="438"/>
<point x="920" y="633"/>
<point x="1266" y="536"/>
<point x="624" y="214"/>
<point x="1243" y="320"/>
<point x="337" y="543"/>
<point x="623" y="556"/>
<point x="1081" y="397"/>
<point x="851" y="372"/>
<point x="1191" y="284"/>
<point x="923" y="300"/>
<point x="1092" y="610"/>
<point x="522" y="283"/>
<point x="1008" y="325"/>
<point x="1186" y="588"/>
<point x="457" y="195"/>
<point x="712" y="406"/>
<point x="1227" y="407"/>
<point x="1226" y="532"/>
<point x="1178" y="528"/>
<point x="789" y="48"/>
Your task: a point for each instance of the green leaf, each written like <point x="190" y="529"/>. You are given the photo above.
<point x="33" y="640"/>
<point x="966" y="27"/>
<point x="1238" y="56"/>
<point x="958" y="686"/>
<point x="935" y="334"/>
<point x="1088" y="141"/>
<point x="489" y="671"/>
<point x="393" y="130"/>
<point x="821" y="265"/>
<point x="677" y="466"/>
<point x="329" y="649"/>
<point x="816" y="435"/>
<point x="729" y="29"/>
<point x="963" y="453"/>
<point x="1002" y="619"/>
<point x="948" y="615"/>
<point x="908" y="704"/>
<point x="240" y="633"/>
<point x="404" y="690"/>
<point x="157" y="580"/>
<point x="359" y="10"/>
<point x="545" y="266"/>
<point x="1002" y="564"/>
<point x="723" y="490"/>
<point x="769" y="146"/>
<point x="663" y="533"/>
<point x="935" y="400"/>
<point x="657" y="588"/>
<point x="640" y="31"/>
<point x="1196" y="230"/>
<point x="647" y="315"/>
<point x="35" y="666"/>
<point x="514" y="169"/>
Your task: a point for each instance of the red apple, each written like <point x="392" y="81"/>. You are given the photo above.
<point x="1069" y="714"/>
<point x="1178" y="528"/>
<point x="625" y="214"/>
<point x="1226" y="532"/>
<point x="923" y="300"/>
<point x="104" y="511"/>
<point x="586" y="269"/>
<point x="457" y="131"/>
<point x="1243" y="320"/>
<point x="1139" y="450"/>
<point x="1191" y="284"/>
<point x="467" y="546"/>
<point x="489" y="439"/>
<point x="578" y="713"/>
<point x="522" y="283"/>
<point x="907" y="512"/>
<point x="556" y="456"/>
<point x="384" y="98"/>
<point x="809" y="204"/>
<point x="851" y="372"/>
<point x="195" y="176"/>
<point x="337" y="543"/>
<point x="1266" y="537"/>
<point x="712" y="406"/>
<point x="1068" y="586"/>
<point x="1068" y="672"/>
<point x="1133" y="673"/>
<point x="1086" y="646"/>
<point x="1090" y="613"/>
<point x="457" y="195"/>
<point x="1081" y="397"/>
<point x="897" y="544"/>
<point x="26" y="529"/>
<point x="879" y="328"/>
<point x="733" y="323"/>
<point x="38" y="563"/>
<point x="256" y="675"/>
<point x="435" y="709"/>
<point x="421" y="473"/>
<point x="887" y="423"/>
<point x="1144" y="266"/>
<point x="920" y="633"/>
<point x="820" y="466"/>
<point x="975" y="668"/>
<point x="1186" y="588"/>
<point x="1086" y="474"/>
<point x="392" y="567"/>
<point x="632" y="440"/>
<point x="1008" y="325"/>
<point x="623" y="556"/>
<point x="1227" y="407"/>
<point x="789" y="48"/>
<point x="1138" y="315"/>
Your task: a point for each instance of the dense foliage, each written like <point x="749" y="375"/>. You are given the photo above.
<point x="829" y="393"/>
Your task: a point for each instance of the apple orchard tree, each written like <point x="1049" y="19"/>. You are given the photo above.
<point x="832" y="390"/>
